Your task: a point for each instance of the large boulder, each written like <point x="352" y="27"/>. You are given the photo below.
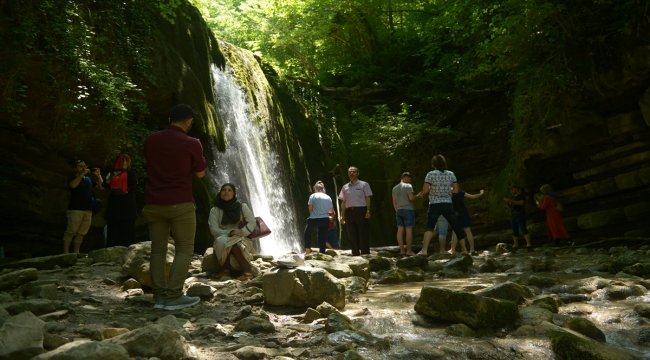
<point x="333" y="267"/>
<point x="136" y="261"/>
<point x="476" y="311"/>
<point x="568" y="344"/>
<point x="360" y="266"/>
<point x="21" y="336"/>
<point x="157" y="340"/>
<point x="506" y="291"/>
<point x="302" y="287"/>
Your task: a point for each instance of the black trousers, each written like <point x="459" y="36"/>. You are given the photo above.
<point x="356" y="226"/>
<point x="120" y="232"/>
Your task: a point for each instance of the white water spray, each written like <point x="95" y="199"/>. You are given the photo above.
<point x="252" y="164"/>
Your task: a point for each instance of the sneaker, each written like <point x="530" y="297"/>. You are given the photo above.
<point x="160" y="304"/>
<point x="181" y="302"/>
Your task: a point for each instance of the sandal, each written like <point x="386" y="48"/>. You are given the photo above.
<point x="245" y="277"/>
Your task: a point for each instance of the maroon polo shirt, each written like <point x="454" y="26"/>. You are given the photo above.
<point x="172" y="159"/>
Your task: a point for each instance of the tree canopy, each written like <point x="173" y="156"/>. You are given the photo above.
<point x="441" y="53"/>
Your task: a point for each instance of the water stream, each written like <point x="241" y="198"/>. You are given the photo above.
<point x="252" y="164"/>
<point x="387" y="311"/>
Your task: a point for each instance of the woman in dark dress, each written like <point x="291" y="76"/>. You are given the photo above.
<point x="121" y="210"/>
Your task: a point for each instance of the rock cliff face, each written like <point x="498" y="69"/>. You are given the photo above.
<point x="595" y="155"/>
<point x="86" y="80"/>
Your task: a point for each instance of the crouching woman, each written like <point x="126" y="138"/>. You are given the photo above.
<point x="234" y="251"/>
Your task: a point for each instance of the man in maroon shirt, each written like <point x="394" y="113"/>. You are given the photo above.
<point x="172" y="158"/>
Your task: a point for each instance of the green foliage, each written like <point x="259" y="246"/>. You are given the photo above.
<point x="389" y="135"/>
<point x="91" y="52"/>
<point x="168" y="9"/>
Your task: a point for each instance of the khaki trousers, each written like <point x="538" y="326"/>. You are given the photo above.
<point x="179" y="221"/>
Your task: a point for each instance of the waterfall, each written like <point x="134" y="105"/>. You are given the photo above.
<point x="252" y="164"/>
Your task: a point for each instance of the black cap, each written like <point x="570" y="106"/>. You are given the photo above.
<point x="181" y="112"/>
<point x="406" y="173"/>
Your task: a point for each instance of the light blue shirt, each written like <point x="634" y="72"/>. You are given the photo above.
<point x="321" y="204"/>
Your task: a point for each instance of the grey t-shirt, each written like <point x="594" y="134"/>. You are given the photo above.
<point x="401" y="192"/>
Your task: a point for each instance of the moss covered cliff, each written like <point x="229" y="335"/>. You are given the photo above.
<point x="87" y="79"/>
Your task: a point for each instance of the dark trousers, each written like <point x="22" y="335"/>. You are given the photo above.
<point x="120" y="232"/>
<point x="446" y="210"/>
<point x="356" y="226"/>
<point x="321" y="226"/>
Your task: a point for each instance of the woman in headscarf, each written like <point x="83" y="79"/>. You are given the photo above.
<point x="231" y="221"/>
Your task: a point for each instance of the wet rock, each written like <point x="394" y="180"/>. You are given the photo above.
<point x="533" y="315"/>
<point x="549" y="302"/>
<point x="638" y="269"/>
<point x="410" y="262"/>
<point x="592" y="284"/>
<point x="506" y="291"/>
<point x="360" y="266"/>
<point x="490" y="265"/>
<point x="379" y="263"/>
<point x="502" y="248"/>
<point x="460" y="263"/>
<point x="572" y="298"/>
<point x="359" y="338"/>
<point x="460" y="330"/>
<point x="434" y="266"/>
<point x="567" y="344"/>
<point x="643" y="338"/>
<point x="337" y="269"/>
<point x="478" y="312"/>
<point x="618" y="292"/>
<point x="541" y="281"/>
<point x="354" y="284"/>
<point x="643" y="309"/>
<point x="585" y="327"/>
<point x="393" y="276"/>
<point x="542" y="264"/>
<point x="623" y="260"/>
<point x="338" y="322"/>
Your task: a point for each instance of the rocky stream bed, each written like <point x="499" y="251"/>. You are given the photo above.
<point x="572" y="302"/>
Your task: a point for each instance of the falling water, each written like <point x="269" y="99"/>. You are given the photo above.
<point x="253" y="165"/>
